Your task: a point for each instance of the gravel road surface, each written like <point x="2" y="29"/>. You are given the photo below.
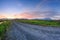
<point x="22" y="31"/>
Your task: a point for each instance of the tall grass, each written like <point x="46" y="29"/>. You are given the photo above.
<point x="53" y="23"/>
<point x="3" y="27"/>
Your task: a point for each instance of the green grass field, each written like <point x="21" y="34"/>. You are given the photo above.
<point x="53" y="23"/>
<point x="3" y="26"/>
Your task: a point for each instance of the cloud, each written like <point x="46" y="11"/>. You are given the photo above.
<point x="6" y="16"/>
<point x="2" y="16"/>
<point x="18" y="3"/>
<point x="39" y="15"/>
<point x="39" y="5"/>
<point x="32" y="15"/>
<point x="56" y="17"/>
<point x="27" y="13"/>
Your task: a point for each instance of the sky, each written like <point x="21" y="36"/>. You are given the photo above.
<point x="30" y="9"/>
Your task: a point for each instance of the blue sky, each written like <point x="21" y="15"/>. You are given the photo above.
<point x="46" y="8"/>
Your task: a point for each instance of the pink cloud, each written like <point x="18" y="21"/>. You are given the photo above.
<point x="2" y="16"/>
<point x="29" y="15"/>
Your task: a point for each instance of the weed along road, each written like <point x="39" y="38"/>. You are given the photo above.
<point x="21" y="31"/>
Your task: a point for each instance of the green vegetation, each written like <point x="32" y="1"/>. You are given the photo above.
<point x="3" y="26"/>
<point x="53" y="23"/>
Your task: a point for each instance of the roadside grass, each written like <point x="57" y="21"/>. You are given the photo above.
<point x="3" y="26"/>
<point x="53" y="23"/>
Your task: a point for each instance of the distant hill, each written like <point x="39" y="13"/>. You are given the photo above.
<point x="43" y="19"/>
<point x="47" y="19"/>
